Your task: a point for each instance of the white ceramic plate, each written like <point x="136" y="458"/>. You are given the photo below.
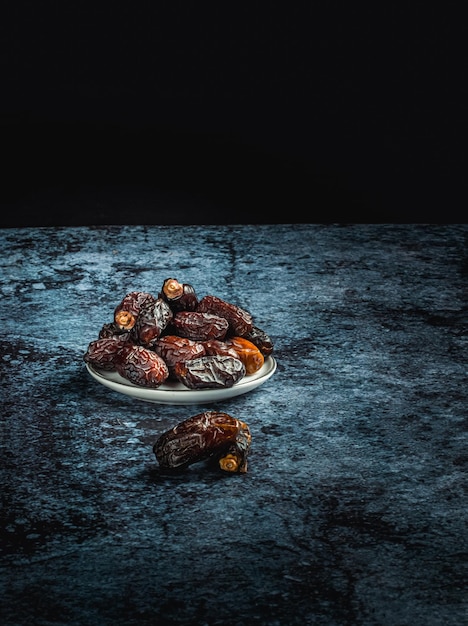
<point x="177" y="393"/>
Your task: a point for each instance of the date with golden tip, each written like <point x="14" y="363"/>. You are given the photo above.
<point x="211" y="435"/>
<point x="127" y="311"/>
<point x="179" y="296"/>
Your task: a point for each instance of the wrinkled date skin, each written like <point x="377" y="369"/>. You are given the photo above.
<point x="113" y="331"/>
<point x="248" y="353"/>
<point x="174" y="349"/>
<point x="210" y="372"/>
<point x="260" y="338"/>
<point x="220" y="348"/>
<point x="211" y="434"/>
<point x="200" y="326"/>
<point x="141" y="366"/>
<point x="103" y="352"/>
<point x="240" y="321"/>
<point x="152" y="320"/>
<point x="206" y="343"/>
<point x="127" y="311"/>
<point x="179" y="296"/>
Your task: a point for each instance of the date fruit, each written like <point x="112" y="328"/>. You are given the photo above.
<point x="127" y="311"/>
<point x="179" y="296"/>
<point x="248" y="353"/>
<point x="103" y="352"/>
<point x="260" y="338"/>
<point x="221" y="348"/>
<point x="112" y="330"/>
<point x="206" y="343"/>
<point x="211" y="434"/>
<point x="210" y="372"/>
<point x="240" y="321"/>
<point x="152" y="320"/>
<point x="200" y="326"/>
<point x="141" y="366"/>
<point x="173" y="349"/>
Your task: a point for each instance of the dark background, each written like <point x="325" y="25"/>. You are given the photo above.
<point x="188" y="113"/>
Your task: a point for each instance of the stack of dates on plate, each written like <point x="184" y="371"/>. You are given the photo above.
<point x="205" y="343"/>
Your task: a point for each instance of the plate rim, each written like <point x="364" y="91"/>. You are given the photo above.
<point x="163" y="395"/>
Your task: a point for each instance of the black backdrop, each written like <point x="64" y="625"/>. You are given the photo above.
<point x="188" y="113"/>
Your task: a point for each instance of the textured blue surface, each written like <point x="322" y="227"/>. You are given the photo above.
<point x="353" y="510"/>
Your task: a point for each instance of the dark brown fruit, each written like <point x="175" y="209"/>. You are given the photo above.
<point x="152" y="321"/>
<point x="240" y="321"/>
<point x="179" y="296"/>
<point x="210" y="434"/>
<point x="210" y="372"/>
<point x="103" y="352"/>
<point x="112" y="330"/>
<point x="141" y="366"/>
<point x="199" y="326"/>
<point x="260" y="338"/>
<point x="220" y="348"/>
<point x="127" y="311"/>
<point x="173" y="349"/>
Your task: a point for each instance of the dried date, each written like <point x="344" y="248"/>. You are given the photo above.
<point x="221" y="348"/>
<point x="211" y="434"/>
<point x="127" y="311"/>
<point x="248" y="353"/>
<point x="153" y="318"/>
<point x="112" y="330"/>
<point x="210" y="372"/>
<point x="209" y="343"/>
<point x="240" y="321"/>
<point x="141" y="366"/>
<point x="173" y="349"/>
<point x="179" y="296"/>
<point x="260" y="338"/>
<point x="200" y="326"/>
<point x="103" y="352"/>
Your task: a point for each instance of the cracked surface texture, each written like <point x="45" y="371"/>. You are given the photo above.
<point x="353" y="510"/>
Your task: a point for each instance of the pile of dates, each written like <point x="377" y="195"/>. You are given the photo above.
<point x="204" y="343"/>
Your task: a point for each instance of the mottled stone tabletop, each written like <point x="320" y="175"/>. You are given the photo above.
<point x="353" y="510"/>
